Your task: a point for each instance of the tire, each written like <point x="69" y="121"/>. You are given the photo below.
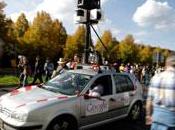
<point x="135" y="112"/>
<point x="62" y="123"/>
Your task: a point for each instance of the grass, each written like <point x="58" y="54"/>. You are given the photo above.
<point x="8" y="81"/>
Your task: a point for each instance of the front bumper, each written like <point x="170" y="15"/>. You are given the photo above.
<point x="6" y="126"/>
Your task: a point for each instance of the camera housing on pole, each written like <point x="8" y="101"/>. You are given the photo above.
<point x="81" y="16"/>
<point x="88" y="4"/>
<point x="95" y="16"/>
<point x="88" y="12"/>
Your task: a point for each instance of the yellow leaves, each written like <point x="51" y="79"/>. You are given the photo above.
<point x="75" y="43"/>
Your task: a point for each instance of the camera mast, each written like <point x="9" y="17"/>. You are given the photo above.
<point x="88" y="12"/>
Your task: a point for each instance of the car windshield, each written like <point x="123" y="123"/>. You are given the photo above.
<point x="68" y="83"/>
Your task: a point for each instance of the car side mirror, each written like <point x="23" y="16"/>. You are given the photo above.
<point x="86" y="96"/>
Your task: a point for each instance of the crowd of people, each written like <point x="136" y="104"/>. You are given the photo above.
<point x="142" y="72"/>
<point x="41" y="69"/>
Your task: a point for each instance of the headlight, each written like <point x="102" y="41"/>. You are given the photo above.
<point x="21" y="116"/>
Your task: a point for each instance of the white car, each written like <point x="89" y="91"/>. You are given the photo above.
<point x="64" y="103"/>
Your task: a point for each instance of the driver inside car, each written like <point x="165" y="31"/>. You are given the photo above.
<point x="97" y="91"/>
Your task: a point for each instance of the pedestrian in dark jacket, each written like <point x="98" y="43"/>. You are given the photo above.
<point x="38" y="70"/>
<point x="48" y="69"/>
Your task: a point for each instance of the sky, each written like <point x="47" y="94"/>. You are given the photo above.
<point x="151" y="22"/>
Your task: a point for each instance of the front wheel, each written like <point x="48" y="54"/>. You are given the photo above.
<point x="62" y="124"/>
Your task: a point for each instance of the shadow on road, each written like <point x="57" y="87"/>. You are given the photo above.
<point x="123" y="125"/>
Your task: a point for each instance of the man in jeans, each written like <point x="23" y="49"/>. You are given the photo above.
<point x="160" y="105"/>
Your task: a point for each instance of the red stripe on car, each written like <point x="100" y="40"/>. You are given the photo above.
<point x="14" y="92"/>
<point x="42" y="100"/>
<point x="28" y="88"/>
<point x="21" y="105"/>
<point x="62" y="97"/>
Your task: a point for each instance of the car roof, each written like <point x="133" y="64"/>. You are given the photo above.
<point x="87" y="70"/>
<point x="84" y="71"/>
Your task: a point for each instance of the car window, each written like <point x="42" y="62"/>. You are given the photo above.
<point x="68" y="83"/>
<point x="123" y="83"/>
<point x="106" y="82"/>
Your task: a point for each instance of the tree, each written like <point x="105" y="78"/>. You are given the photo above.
<point x="128" y="51"/>
<point x="166" y="53"/>
<point x="145" y="55"/>
<point x="113" y="49"/>
<point x="75" y="44"/>
<point x="3" y="28"/>
<point x="107" y="41"/>
<point x="21" y="25"/>
<point x="7" y="50"/>
<point x="70" y="48"/>
<point x="45" y="37"/>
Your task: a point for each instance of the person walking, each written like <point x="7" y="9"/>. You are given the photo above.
<point x="38" y="70"/>
<point x="20" y="70"/>
<point x="73" y="64"/>
<point x="61" y="68"/>
<point x="20" y="65"/>
<point x="25" y="71"/>
<point x="160" y="104"/>
<point x="48" y="68"/>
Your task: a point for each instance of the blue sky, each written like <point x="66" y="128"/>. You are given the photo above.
<point x="151" y="22"/>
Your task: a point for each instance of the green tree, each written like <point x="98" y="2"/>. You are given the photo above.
<point x="128" y="51"/>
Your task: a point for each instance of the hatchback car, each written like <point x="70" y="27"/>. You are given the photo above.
<point x="63" y="102"/>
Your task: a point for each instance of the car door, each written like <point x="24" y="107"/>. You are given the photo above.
<point x="94" y="110"/>
<point x="123" y="94"/>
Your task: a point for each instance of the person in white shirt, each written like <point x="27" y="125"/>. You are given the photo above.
<point x="97" y="91"/>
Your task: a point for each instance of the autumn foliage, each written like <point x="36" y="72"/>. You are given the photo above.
<point x="47" y="37"/>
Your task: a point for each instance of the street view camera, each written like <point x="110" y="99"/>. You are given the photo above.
<point x="89" y="4"/>
<point x="93" y="7"/>
<point x="88" y="12"/>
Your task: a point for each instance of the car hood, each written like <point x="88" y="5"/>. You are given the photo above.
<point x="31" y="96"/>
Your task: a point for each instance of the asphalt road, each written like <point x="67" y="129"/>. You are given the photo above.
<point x="123" y="124"/>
